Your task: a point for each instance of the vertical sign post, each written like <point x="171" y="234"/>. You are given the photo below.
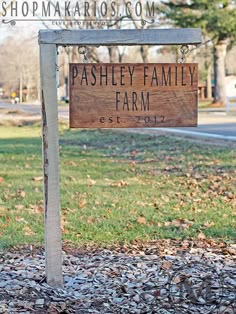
<point x="50" y="143"/>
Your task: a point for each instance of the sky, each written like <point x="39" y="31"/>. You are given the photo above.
<point x="19" y="31"/>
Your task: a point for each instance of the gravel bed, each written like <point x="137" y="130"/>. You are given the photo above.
<point x="196" y="280"/>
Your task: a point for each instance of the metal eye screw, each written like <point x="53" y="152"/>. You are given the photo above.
<point x="184" y="49"/>
<point x="82" y="50"/>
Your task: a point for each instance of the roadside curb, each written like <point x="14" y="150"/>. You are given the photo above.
<point x="197" y="134"/>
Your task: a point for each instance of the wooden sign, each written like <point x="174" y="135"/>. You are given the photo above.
<point x="133" y="95"/>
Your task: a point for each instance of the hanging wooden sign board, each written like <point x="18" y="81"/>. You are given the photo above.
<point x="133" y="95"/>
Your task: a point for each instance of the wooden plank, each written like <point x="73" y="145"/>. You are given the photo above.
<point x="133" y="95"/>
<point x="53" y="244"/>
<point x="175" y="36"/>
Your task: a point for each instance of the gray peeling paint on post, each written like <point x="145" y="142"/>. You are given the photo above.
<point x="45" y="159"/>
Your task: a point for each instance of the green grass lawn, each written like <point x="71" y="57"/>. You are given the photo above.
<point x="117" y="187"/>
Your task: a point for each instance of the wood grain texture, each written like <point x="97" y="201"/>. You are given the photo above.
<point x="133" y="95"/>
<point x="50" y="151"/>
<point x="174" y="36"/>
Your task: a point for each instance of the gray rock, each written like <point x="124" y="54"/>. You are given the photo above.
<point x="39" y="303"/>
<point x="3" y="284"/>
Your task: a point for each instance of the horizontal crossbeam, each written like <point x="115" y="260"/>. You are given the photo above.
<point x="123" y="37"/>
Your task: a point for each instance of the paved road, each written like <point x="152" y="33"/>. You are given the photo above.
<point x="34" y="109"/>
<point x="216" y="123"/>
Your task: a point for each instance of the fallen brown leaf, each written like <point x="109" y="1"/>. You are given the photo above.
<point x="1" y="179"/>
<point x="177" y="279"/>
<point x="231" y="251"/>
<point x="19" y="207"/>
<point x="71" y="178"/>
<point x="21" y="219"/>
<point x="3" y="211"/>
<point x="28" y="231"/>
<point x="91" y="220"/>
<point x="36" y="209"/>
<point x="182" y="223"/>
<point x="197" y="175"/>
<point x="201" y="236"/>
<point x="21" y="193"/>
<point x="141" y="220"/>
<point x="38" y="179"/>
<point x="72" y="163"/>
<point x="63" y="223"/>
<point x="209" y="224"/>
<point x="82" y="203"/>
<point x="91" y="182"/>
<point x="165" y="199"/>
<point x="119" y="184"/>
<point x="166" y="265"/>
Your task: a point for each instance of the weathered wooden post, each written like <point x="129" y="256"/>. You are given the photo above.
<point x="49" y="40"/>
<point x="50" y="146"/>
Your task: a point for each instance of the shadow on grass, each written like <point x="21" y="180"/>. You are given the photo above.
<point x="24" y="145"/>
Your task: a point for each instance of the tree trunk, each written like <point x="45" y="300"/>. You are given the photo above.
<point x="21" y="87"/>
<point x="144" y="53"/>
<point x="209" y="88"/>
<point x="219" y="69"/>
<point x="112" y="54"/>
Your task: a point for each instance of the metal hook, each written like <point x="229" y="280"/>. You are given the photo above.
<point x="184" y="51"/>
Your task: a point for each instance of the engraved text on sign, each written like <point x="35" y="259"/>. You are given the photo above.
<point x="133" y="95"/>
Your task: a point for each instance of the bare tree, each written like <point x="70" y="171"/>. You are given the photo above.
<point x="20" y="70"/>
